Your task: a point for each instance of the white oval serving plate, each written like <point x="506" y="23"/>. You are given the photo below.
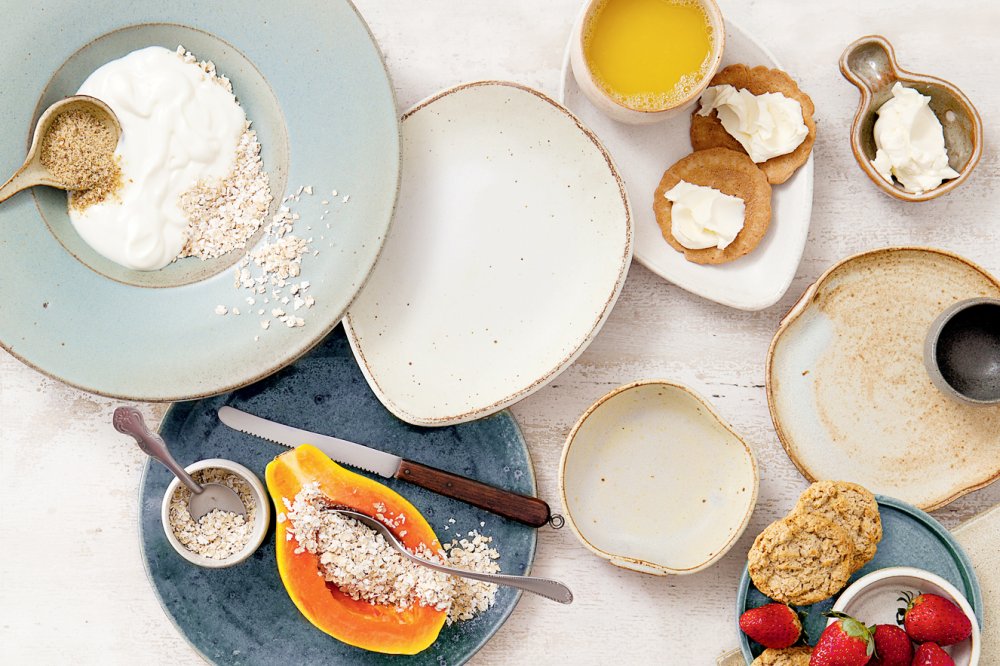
<point x="510" y="245"/>
<point x="653" y="480"/>
<point x="643" y="153"/>
<point x="848" y="391"/>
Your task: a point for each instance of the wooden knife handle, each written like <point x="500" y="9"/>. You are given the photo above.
<point x="528" y="510"/>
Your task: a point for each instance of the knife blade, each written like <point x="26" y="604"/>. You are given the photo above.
<point x="522" y="508"/>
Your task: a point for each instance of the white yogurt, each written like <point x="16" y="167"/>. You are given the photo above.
<point x="179" y="127"/>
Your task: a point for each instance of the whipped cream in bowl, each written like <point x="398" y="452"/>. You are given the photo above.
<point x="910" y="142"/>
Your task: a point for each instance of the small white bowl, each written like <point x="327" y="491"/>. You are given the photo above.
<point x="618" y="111"/>
<point x="653" y="480"/>
<point x="261" y="519"/>
<point x="873" y="599"/>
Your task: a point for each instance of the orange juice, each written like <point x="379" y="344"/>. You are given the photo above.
<point x="648" y="54"/>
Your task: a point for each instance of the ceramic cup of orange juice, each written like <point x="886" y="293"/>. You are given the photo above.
<point x="643" y="61"/>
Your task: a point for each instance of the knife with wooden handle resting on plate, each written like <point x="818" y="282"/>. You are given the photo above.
<point x="528" y="510"/>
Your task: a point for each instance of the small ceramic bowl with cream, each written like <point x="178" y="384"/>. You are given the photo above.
<point x="916" y="136"/>
<point x="643" y="61"/>
<point x="653" y="480"/>
<point x="228" y="542"/>
<point x="875" y="599"/>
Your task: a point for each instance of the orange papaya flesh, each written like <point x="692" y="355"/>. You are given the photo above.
<point x="378" y="628"/>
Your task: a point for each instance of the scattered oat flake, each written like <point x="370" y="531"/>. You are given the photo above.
<point x="221" y="309"/>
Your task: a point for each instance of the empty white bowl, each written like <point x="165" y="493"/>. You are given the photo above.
<point x="874" y="599"/>
<point x="653" y="480"/>
<point x="262" y="518"/>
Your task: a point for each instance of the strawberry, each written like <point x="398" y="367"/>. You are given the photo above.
<point x="773" y="625"/>
<point x="892" y="647"/>
<point x="846" y="642"/>
<point x="931" y="654"/>
<point x="929" y="618"/>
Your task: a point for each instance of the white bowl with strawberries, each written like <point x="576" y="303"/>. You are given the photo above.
<point x="914" y="617"/>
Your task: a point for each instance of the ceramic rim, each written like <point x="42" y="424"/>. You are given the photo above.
<point x="654" y="568"/>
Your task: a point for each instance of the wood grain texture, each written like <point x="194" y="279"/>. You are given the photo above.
<point x="74" y="588"/>
<point x="528" y="510"/>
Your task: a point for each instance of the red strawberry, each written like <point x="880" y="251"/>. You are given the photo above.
<point x="846" y="642"/>
<point x="773" y="625"/>
<point x="931" y="654"/>
<point x="929" y="618"/>
<point x="892" y="647"/>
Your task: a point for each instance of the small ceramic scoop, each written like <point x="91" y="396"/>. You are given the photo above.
<point x="870" y="64"/>
<point x="204" y="499"/>
<point x="32" y="172"/>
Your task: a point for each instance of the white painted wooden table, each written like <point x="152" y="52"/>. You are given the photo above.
<point x="72" y="585"/>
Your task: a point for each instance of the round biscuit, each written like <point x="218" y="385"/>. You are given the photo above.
<point x="794" y="656"/>
<point x="732" y="173"/>
<point x="852" y="507"/>
<point x="801" y="559"/>
<point x="708" y="132"/>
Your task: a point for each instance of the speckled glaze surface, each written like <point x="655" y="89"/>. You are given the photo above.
<point x="653" y="480"/>
<point x="870" y="64"/>
<point x="242" y="615"/>
<point x="643" y="152"/>
<point x="325" y="118"/>
<point x="910" y="538"/>
<point x="848" y="392"/>
<point x="510" y="246"/>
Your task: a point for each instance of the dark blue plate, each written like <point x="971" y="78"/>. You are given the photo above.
<point x="242" y="615"/>
<point x="910" y="538"/>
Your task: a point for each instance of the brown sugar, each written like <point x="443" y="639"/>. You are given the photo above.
<point x="79" y="151"/>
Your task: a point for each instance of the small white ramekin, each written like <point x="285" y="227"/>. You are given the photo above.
<point x="262" y="519"/>
<point x="873" y="599"/>
<point x="618" y="111"/>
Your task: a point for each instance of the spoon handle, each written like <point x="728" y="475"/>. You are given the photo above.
<point x="23" y="179"/>
<point x="545" y="587"/>
<point x="129" y="421"/>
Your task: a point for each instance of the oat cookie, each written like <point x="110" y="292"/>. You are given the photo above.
<point x="852" y="507"/>
<point x="732" y="173"/>
<point x="708" y="132"/>
<point x="801" y="559"/>
<point x="795" y="656"/>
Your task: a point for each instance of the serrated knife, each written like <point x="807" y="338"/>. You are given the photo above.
<point x="528" y="510"/>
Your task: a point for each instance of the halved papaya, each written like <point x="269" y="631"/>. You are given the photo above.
<point x="379" y="628"/>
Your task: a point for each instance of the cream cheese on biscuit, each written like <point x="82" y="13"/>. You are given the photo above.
<point x="766" y="125"/>
<point x="910" y="142"/>
<point x="703" y="217"/>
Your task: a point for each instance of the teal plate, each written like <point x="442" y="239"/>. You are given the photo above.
<point x="242" y="615"/>
<point x="312" y="81"/>
<point x="910" y="538"/>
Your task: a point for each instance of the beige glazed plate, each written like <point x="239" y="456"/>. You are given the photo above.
<point x="653" y="480"/>
<point x="848" y="391"/>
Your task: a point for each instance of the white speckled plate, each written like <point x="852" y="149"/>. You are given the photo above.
<point x="848" y="391"/>
<point x="510" y="244"/>
<point x="644" y="152"/>
<point x="653" y="480"/>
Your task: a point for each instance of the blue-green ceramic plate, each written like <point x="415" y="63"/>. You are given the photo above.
<point x="311" y="79"/>
<point x="242" y="615"/>
<point x="910" y="538"/>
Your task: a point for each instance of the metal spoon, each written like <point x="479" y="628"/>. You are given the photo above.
<point x="204" y="499"/>
<point x="550" y="589"/>
<point x="33" y="172"/>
